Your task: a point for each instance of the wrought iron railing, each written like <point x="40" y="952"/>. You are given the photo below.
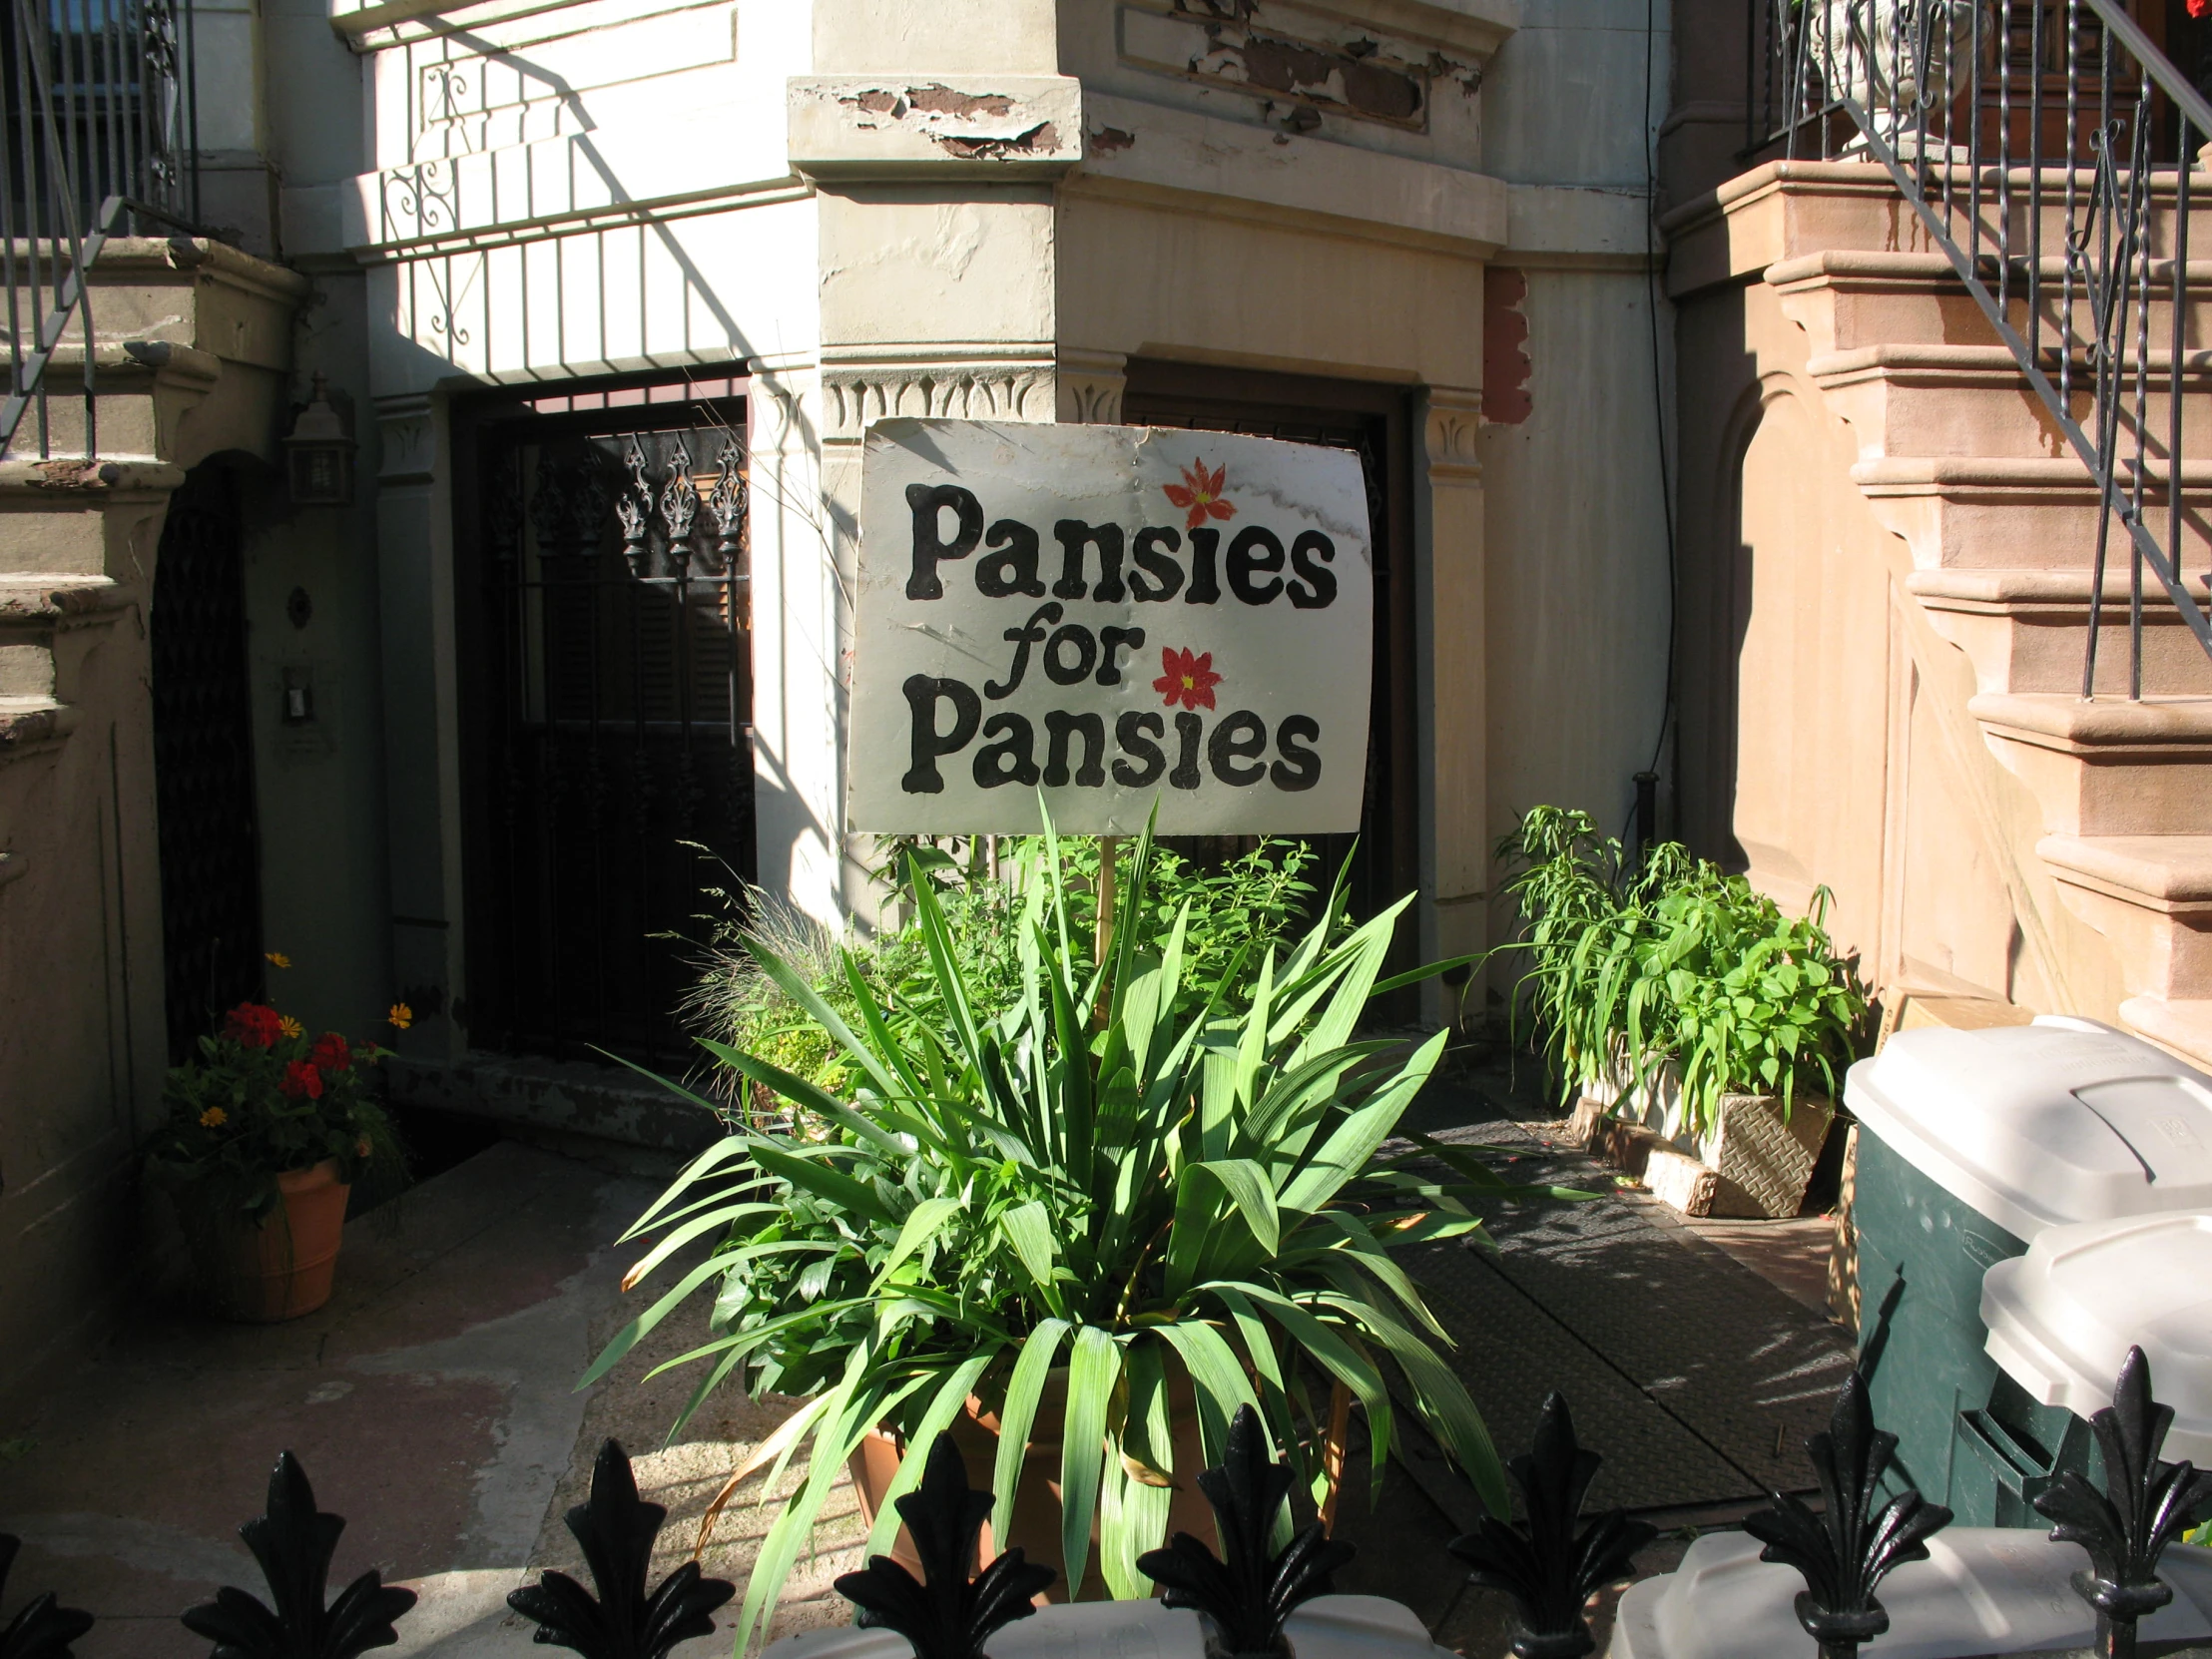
<point x="2050" y="151"/>
<point x="98" y="131"/>
<point x="1548" y="1561"/>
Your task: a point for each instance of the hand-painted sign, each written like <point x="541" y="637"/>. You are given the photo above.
<point x="1116" y="614"/>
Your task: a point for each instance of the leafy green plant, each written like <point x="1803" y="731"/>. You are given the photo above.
<point x="1236" y="912"/>
<point x="1675" y="961"/>
<point x="1100" y="1176"/>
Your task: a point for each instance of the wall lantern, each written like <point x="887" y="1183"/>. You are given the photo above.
<point x="319" y="455"/>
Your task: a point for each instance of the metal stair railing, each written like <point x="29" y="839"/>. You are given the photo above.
<point x="99" y="130"/>
<point x="2002" y="122"/>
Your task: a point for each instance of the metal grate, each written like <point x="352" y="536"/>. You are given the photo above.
<point x="203" y="761"/>
<point x="614" y="719"/>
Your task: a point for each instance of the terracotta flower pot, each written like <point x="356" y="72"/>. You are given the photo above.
<point x="282" y="1267"/>
<point x="1036" y="1526"/>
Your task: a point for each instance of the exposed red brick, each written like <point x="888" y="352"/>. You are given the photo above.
<point x="1505" y="364"/>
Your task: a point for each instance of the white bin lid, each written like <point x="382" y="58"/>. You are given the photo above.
<point x="1328" y="1627"/>
<point x="2062" y="1317"/>
<point x="2037" y="1125"/>
<point x="1982" y="1589"/>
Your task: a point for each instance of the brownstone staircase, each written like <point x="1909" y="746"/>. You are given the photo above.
<point x="1957" y="455"/>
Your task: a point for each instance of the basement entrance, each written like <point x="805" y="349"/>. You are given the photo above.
<point x="608" y="692"/>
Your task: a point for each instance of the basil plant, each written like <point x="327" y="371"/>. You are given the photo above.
<point x="1117" y="1174"/>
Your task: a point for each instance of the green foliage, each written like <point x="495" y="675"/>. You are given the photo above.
<point x="1674" y="962"/>
<point x="1110" y="1173"/>
<point x="1236" y="913"/>
<point x="262" y="1098"/>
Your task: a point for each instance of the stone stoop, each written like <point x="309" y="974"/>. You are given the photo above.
<point x="1959" y="457"/>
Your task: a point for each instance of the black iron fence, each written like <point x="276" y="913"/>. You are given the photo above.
<point x="2051" y="151"/>
<point x="1550" y="1560"/>
<point x="99" y="136"/>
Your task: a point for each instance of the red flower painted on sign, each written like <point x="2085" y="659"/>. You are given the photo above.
<point x="1190" y="679"/>
<point x="1199" y="494"/>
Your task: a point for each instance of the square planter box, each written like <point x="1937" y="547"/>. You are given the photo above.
<point x="1754" y="1163"/>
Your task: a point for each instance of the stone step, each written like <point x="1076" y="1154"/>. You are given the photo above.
<point x="2025" y="629"/>
<point x="2000" y="512"/>
<point x="2108" y="768"/>
<point x="2151" y="897"/>
<point x="68" y="519"/>
<point x="2183" y="1024"/>
<point x="143" y="393"/>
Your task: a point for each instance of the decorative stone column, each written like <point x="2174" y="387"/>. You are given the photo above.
<point x="1450" y="593"/>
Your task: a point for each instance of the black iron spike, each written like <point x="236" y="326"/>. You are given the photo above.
<point x="2146" y="1504"/>
<point x="294" y="1542"/>
<point x="1243" y="1595"/>
<point x="946" y="1616"/>
<point x="41" y="1629"/>
<point x="1546" y="1565"/>
<point x="1850" y="1547"/>
<point x="616" y="1529"/>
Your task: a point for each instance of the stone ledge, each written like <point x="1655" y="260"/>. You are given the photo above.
<point x="565" y="1097"/>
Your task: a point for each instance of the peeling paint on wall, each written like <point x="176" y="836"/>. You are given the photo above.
<point x="1505" y="364"/>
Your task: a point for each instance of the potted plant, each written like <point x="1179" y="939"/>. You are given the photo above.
<point x="265" y="1131"/>
<point x="1089" y="1224"/>
<point x="1685" y="996"/>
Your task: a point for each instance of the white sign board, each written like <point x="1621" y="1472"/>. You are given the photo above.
<point x="1120" y="615"/>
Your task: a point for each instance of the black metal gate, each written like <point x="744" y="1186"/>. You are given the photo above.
<point x="611" y="708"/>
<point x="203" y="761"/>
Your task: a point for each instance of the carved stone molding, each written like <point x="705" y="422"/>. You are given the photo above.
<point x="1091" y="384"/>
<point x="410" y="447"/>
<point x="1451" y="418"/>
<point x="855" y="393"/>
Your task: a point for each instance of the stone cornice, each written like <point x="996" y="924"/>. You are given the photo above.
<point x="854" y="127"/>
<point x="982" y="382"/>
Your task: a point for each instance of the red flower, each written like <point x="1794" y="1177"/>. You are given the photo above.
<point x="300" y="1078"/>
<point x="2197" y="8"/>
<point x="1190" y="679"/>
<point x="331" y="1053"/>
<point x="253" y="1025"/>
<point x="1200" y="492"/>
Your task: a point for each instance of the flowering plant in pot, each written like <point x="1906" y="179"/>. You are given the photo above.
<point x="265" y="1131"/>
<point x="1098" y="1219"/>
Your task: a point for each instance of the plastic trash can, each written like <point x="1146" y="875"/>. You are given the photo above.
<point x="2062" y="1317"/>
<point x="1971" y="1145"/>
<point x="1981" y="1590"/>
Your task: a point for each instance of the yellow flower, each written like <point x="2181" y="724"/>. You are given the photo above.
<point x="278" y="958"/>
<point x="290" y="1026"/>
<point x="215" y="1117"/>
<point x="401" y="1017"/>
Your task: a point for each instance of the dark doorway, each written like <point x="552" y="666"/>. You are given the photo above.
<point x="607" y="685"/>
<point x="1375" y="424"/>
<point x="203" y="761"/>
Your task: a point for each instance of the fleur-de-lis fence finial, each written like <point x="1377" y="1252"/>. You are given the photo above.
<point x="1243" y="1595"/>
<point x="41" y="1628"/>
<point x="2146" y="1505"/>
<point x="1546" y="1565"/>
<point x="624" y="1621"/>
<point x="293" y="1542"/>
<point x="1850" y="1546"/>
<point x="946" y="1616"/>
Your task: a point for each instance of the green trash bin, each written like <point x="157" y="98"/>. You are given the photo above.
<point x="1971" y="1145"/>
